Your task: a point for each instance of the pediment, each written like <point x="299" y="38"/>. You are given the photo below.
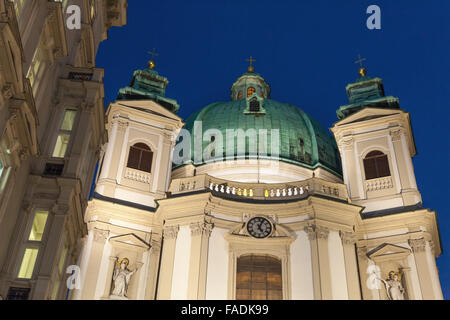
<point x="149" y="106"/>
<point x="130" y="240"/>
<point x="388" y="251"/>
<point x="368" y="114"/>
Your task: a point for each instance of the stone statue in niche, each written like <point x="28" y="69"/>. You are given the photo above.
<point x="394" y="287"/>
<point x="121" y="278"/>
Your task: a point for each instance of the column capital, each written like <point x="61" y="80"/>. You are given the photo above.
<point x="171" y="232"/>
<point x="317" y="232"/>
<point x="348" y="238"/>
<point x="396" y="134"/>
<point x="362" y="252"/>
<point x="201" y="228"/>
<point x="417" y="245"/>
<point x="100" y="235"/>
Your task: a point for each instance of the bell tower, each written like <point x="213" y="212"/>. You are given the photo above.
<point x="142" y="130"/>
<point x="376" y="143"/>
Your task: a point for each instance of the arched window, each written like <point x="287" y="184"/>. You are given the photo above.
<point x="250" y="91"/>
<point x="140" y="157"/>
<point x="239" y="95"/>
<point x="258" y="277"/>
<point x="376" y="165"/>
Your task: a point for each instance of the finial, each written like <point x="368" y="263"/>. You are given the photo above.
<point x="151" y="63"/>
<point x="250" y="68"/>
<point x="362" y="70"/>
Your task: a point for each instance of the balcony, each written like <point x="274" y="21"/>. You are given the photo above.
<point x="258" y="191"/>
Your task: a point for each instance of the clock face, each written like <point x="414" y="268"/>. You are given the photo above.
<point x="259" y="227"/>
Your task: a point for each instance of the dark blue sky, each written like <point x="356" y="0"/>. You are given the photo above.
<point x="306" y="51"/>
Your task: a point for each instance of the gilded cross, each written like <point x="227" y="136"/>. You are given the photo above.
<point x="153" y="53"/>
<point x="251" y="60"/>
<point x="360" y="61"/>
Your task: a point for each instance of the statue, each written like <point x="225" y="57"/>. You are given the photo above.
<point x="394" y="287"/>
<point x="121" y="278"/>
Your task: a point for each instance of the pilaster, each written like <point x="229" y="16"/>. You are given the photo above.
<point x="170" y="234"/>
<point x="351" y="265"/>
<point x="318" y="237"/>
<point x="200" y="233"/>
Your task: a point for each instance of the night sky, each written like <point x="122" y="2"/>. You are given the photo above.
<point x="306" y="51"/>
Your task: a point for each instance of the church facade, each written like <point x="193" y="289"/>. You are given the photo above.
<point x="253" y="199"/>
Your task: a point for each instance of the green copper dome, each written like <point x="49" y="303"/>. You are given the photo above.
<point x="301" y="140"/>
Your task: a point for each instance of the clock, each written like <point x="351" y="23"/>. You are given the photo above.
<point x="259" y="227"/>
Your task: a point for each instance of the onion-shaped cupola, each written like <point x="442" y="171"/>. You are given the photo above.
<point x="250" y="84"/>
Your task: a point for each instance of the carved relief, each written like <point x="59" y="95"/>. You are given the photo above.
<point x="7" y="91"/>
<point x="362" y="252"/>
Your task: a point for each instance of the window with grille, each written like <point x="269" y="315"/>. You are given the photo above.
<point x="140" y="157"/>
<point x="376" y="165"/>
<point x="258" y="277"/>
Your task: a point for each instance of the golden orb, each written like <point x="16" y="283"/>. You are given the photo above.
<point x="362" y="72"/>
<point x="250" y="69"/>
<point x="151" y="65"/>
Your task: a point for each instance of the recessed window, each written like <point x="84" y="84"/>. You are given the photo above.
<point x="65" y="130"/>
<point x="258" y="277"/>
<point x="140" y="157"/>
<point x="33" y="245"/>
<point x="254" y="105"/>
<point x="239" y="95"/>
<point x="37" y="229"/>
<point x="376" y="165"/>
<point x="28" y="262"/>
<point x="250" y="91"/>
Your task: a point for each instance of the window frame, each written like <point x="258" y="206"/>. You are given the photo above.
<point x="141" y="151"/>
<point x="376" y="166"/>
<point x="59" y="131"/>
<point x="30" y="244"/>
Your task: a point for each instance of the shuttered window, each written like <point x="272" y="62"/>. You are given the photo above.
<point x="376" y="165"/>
<point x="140" y="157"/>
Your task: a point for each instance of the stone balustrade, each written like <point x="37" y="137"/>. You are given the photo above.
<point x="259" y="191"/>
<point x="137" y="175"/>
<point x="379" y="184"/>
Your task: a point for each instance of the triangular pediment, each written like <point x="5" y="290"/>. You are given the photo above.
<point x="149" y="106"/>
<point x="388" y="251"/>
<point x="368" y="114"/>
<point x="130" y="240"/>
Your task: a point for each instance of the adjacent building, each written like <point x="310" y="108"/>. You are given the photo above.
<point x="52" y="129"/>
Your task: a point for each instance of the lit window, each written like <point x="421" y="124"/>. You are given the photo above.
<point x="62" y="141"/>
<point x="250" y="91"/>
<point x="376" y="165"/>
<point x="258" y="278"/>
<point x="37" y="66"/>
<point x="28" y="262"/>
<point x="37" y="229"/>
<point x="140" y="157"/>
<point x="33" y="245"/>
